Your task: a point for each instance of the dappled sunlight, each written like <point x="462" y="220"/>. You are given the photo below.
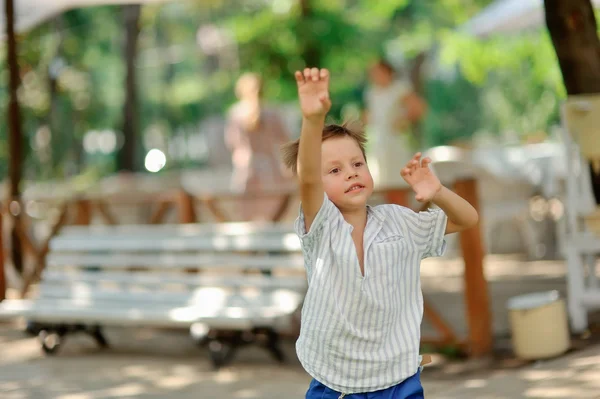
<point x="559" y="393"/>
<point x="585" y="361"/>
<point x="247" y="394"/>
<point x="537" y="375"/>
<point x="120" y="391"/>
<point x="480" y="383"/>
<point x="226" y="377"/>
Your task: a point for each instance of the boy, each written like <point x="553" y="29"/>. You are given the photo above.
<point x="361" y="317"/>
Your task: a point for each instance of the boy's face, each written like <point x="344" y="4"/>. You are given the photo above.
<point x="346" y="177"/>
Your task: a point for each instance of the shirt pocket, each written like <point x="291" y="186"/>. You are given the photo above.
<point x="389" y="258"/>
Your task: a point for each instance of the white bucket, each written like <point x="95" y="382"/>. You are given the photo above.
<point x="539" y="325"/>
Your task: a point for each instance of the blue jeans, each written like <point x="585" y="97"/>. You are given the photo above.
<point x="410" y="388"/>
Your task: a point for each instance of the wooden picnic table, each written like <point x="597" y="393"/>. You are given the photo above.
<point x="79" y="211"/>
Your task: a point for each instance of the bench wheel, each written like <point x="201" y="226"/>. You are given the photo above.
<point x="51" y="341"/>
<point x="221" y="352"/>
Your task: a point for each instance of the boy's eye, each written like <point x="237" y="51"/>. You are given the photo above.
<point x="334" y="170"/>
<point x="358" y="164"/>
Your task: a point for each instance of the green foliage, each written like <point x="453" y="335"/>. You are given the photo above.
<point x="471" y="86"/>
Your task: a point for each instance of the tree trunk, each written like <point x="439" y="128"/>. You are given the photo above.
<point x="573" y="29"/>
<point x="2" y="270"/>
<point x="15" y="135"/>
<point x="54" y="117"/>
<point x="311" y="53"/>
<point x="126" y="158"/>
<point x="416" y="79"/>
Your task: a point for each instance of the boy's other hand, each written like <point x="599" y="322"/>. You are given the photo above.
<point x="313" y="92"/>
<point x="422" y="180"/>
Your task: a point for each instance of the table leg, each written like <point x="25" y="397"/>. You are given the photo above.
<point x="187" y="211"/>
<point x="83" y="216"/>
<point x="476" y="292"/>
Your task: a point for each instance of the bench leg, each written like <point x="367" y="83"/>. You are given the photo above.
<point x="52" y="336"/>
<point x="222" y="350"/>
<point x="223" y="345"/>
<point x="98" y="335"/>
<point x="272" y="345"/>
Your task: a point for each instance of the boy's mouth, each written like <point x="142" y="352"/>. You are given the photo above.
<point x="355" y="187"/>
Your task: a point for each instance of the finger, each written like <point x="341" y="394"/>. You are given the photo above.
<point x="425" y="162"/>
<point x="417" y="158"/>
<point x="405" y="172"/>
<point x="306" y="73"/>
<point x="419" y="198"/>
<point x="414" y="165"/>
<point x="324" y="73"/>
<point x="315" y="74"/>
<point x="299" y="78"/>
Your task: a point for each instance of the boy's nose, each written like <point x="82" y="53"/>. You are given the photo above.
<point x="352" y="175"/>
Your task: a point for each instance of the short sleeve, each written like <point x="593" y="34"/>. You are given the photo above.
<point x="426" y="229"/>
<point x="307" y="238"/>
<point x="310" y="240"/>
<point x="434" y="223"/>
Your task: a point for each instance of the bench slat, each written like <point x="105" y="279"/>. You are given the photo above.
<point x="207" y="298"/>
<point x="83" y="243"/>
<point x="52" y="277"/>
<point x="196" y="229"/>
<point x="175" y="261"/>
<point x="129" y="315"/>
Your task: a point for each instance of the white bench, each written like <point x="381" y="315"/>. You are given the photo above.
<point x="170" y="276"/>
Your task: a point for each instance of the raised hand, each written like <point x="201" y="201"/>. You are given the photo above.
<point x="422" y="180"/>
<point x="313" y="92"/>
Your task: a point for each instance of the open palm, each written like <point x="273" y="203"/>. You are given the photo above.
<point x="313" y="92"/>
<point x="421" y="179"/>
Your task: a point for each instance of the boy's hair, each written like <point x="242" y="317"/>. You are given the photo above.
<point x="289" y="151"/>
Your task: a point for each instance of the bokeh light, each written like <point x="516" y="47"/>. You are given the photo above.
<point x="155" y="160"/>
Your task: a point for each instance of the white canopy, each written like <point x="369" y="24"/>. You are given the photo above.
<point x="508" y="16"/>
<point x="29" y="13"/>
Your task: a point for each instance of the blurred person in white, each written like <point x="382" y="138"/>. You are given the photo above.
<point x="254" y="134"/>
<point x="392" y="109"/>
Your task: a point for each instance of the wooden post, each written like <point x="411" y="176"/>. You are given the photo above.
<point x="186" y="208"/>
<point x="40" y="256"/>
<point x="15" y="142"/>
<point x="161" y="210"/>
<point x="476" y="292"/>
<point x="2" y="272"/>
<point x="83" y="209"/>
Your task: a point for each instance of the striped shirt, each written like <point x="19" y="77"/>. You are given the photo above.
<point x="361" y="334"/>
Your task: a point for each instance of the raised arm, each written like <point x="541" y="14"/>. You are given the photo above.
<point x="313" y="93"/>
<point x="427" y="187"/>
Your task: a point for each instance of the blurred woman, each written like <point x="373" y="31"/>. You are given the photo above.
<point x="254" y="133"/>
<point x="392" y="109"/>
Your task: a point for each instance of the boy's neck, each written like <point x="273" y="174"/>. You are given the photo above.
<point x="356" y="217"/>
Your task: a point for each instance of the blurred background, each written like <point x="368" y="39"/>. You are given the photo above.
<point x="172" y="112"/>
